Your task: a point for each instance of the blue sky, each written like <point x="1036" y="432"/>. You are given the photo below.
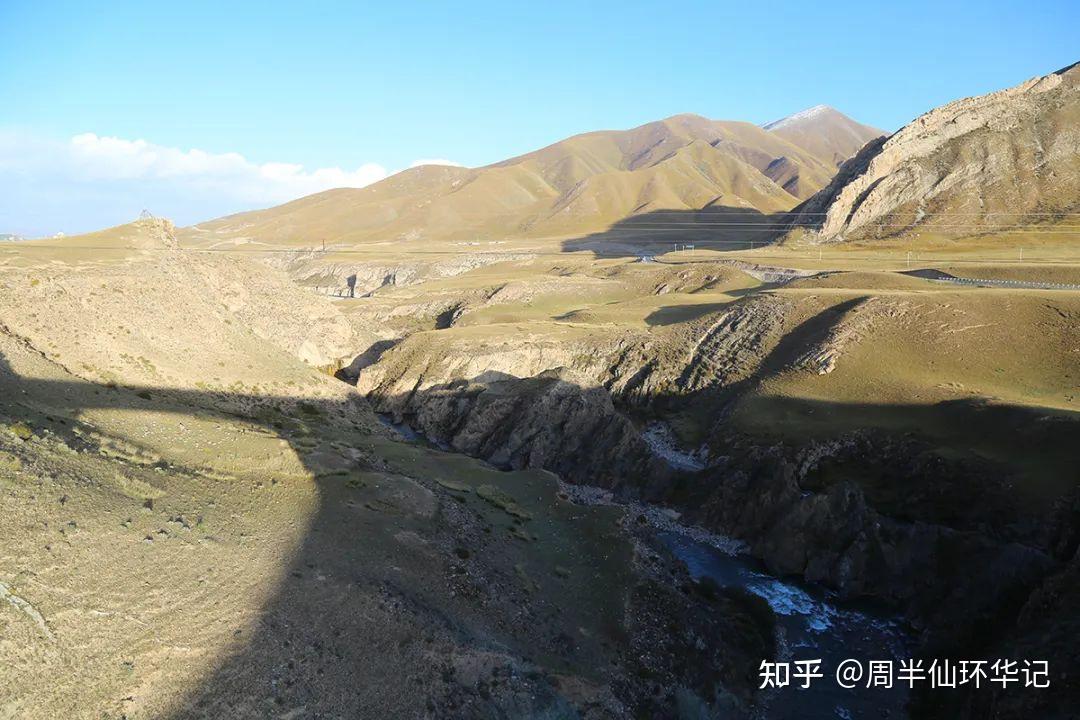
<point x="285" y="98"/>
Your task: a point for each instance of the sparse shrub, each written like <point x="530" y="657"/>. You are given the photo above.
<point x="10" y="462"/>
<point x="21" y="430"/>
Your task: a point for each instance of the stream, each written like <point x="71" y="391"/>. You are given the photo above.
<point x="407" y="433"/>
<point x="811" y="622"/>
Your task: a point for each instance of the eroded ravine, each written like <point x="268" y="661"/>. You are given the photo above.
<point x="810" y="622"/>
<point x="589" y="409"/>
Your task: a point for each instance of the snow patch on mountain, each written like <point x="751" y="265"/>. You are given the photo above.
<point x="801" y="116"/>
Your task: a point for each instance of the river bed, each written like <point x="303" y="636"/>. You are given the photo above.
<point x="812" y="624"/>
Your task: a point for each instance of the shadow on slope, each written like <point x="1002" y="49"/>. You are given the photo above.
<point x="444" y="591"/>
<point x="910" y="506"/>
<point x="714" y="227"/>
<point x="429" y="584"/>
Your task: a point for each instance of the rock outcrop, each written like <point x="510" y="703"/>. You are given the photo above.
<point x="863" y="513"/>
<point x="1007" y="159"/>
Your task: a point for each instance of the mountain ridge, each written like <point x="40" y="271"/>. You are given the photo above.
<point x="808" y="113"/>
<point x="825" y="131"/>
<point x="582" y="184"/>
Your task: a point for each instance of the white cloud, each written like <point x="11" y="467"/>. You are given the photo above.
<point x="110" y="158"/>
<point x="91" y="181"/>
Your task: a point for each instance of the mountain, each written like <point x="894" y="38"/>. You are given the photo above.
<point x="977" y="165"/>
<point x="824" y="132"/>
<point x="579" y="185"/>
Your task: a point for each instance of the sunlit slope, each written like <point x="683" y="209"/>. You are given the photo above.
<point x="974" y="166"/>
<point x="979" y="374"/>
<point x="193" y="512"/>
<point x="825" y="132"/>
<point x="127" y="304"/>
<point x="579" y="185"/>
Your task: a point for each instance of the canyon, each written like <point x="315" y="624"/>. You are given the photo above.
<point x="569" y="435"/>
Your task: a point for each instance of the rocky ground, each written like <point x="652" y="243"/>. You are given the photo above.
<point x="339" y="458"/>
<point x="865" y="430"/>
<point x="200" y="524"/>
<point x="208" y="523"/>
<point x="975" y="165"/>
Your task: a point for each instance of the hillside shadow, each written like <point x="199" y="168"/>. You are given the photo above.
<point x="897" y="511"/>
<point x="312" y="653"/>
<point x="675" y="314"/>
<point x="650" y="234"/>
<point x="365" y="359"/>
<point x="437" y="593"/>
<point x="687" y="312"/>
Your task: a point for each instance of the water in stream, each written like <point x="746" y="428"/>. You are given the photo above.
<point x="812" y="625"/>
<point x="408" y="434"/>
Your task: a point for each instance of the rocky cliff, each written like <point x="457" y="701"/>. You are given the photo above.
<point x="862" y="510"/>
<point x="1007" y="159"/>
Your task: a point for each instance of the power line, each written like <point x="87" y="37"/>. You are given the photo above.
<point x="725" y="211"/>
<point x="933" y="228"/>
<point x="762" y="253"/>
<point x="780" y="213"/>
<point x="381" y="248"/>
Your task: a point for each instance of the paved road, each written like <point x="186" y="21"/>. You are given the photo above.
<point x="939" y="276"/>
